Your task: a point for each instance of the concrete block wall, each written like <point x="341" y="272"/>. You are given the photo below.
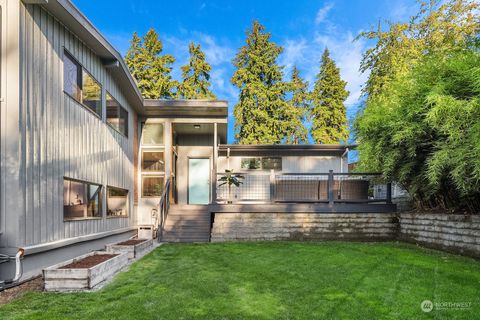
<point x="455" y="233"/>
<point x="304" y="226"/>
<point x="450" y="232"/>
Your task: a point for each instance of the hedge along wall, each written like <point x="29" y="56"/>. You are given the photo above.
<point x="449" y="232"/>
<point x="304" y="226"/>
<point x="454" y="233"/>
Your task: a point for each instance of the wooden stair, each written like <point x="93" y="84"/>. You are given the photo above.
<point x="187" y="223"/>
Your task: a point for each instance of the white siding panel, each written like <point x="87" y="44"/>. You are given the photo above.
<point x="62" y="138"/>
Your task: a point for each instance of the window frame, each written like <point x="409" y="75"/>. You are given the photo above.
<point x="153" y="175"/>
<point x="151" y="150"/>
<point x="119" y="107"/>
<point x="82" y="70"/>
<point x="261" y="163"/>
<point x="143" y="144"/>
<point x="127" y="204"/>
<point x="100" y="197"/>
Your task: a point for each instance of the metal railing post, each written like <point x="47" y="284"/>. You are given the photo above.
<point x="330" y="186"/>
<point x="389" y="193"/>
<point x="272" y="185"/>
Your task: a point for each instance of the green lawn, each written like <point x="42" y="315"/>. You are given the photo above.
<point x="273" y="280"/>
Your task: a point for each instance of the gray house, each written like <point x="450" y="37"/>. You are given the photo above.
<point x="86" y="161"/>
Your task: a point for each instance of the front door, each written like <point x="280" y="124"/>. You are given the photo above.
<point x="198" y="181"/>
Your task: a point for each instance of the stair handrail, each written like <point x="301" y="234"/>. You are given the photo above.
<point x="163" y="206"/>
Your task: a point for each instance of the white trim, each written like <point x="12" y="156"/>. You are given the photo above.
<point x="65" y="242"/>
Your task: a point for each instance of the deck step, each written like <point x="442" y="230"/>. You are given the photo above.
<point x="187" y="223"/>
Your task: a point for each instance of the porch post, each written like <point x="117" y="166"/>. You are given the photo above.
<point x="330" y="187"/>
<point x="214" y="167"/>
<point x="389" y="192"/>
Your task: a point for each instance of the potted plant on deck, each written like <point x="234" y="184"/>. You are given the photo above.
<point x="230" y="179"/>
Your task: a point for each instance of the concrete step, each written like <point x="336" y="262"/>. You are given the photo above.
<point x="187" y="223"/>
<point x="190" y="207"/>
<point x="187" y="228"/>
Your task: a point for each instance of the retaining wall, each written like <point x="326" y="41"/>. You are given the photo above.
<point x="449" y="232"/>
<point x="455" y="233"/>
<point x="304" y="226"/>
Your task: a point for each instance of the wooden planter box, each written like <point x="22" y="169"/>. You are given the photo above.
<point x="133" y="251"/>
<point x="77" y="279"/>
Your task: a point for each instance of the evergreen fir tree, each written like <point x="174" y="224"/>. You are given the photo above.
<point x="149" y="67"/>
<point x="329" y="118"/>
<point x="195" y="76"/>
<point x="300" y="103"/>
<point x="261" y="115"/>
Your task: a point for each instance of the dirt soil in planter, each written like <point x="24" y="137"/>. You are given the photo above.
<point x="131" y="242"/>
<point x="89" y="261"/>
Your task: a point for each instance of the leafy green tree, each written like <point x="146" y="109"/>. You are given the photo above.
<point x="434" y="29"/>
<point x="423" y="131"/>
<point x="195" y="76"/>
<point x="262" y="114"/>
<point x="300" y="104"/>
<point x="329" y="116"/>
<point x="420" y="123"/>
<point x="149" y="67"/>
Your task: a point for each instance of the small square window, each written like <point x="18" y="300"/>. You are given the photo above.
<point x="152" y="186"/>
<point x="153" y="161"/>
<point x="117" y="202"/>
<point x="152" y="134"/>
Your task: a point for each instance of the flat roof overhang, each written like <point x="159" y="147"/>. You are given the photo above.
<point x="72" y="18"/>
<point x="285" y="149"/>
<point x="202" y="109"/>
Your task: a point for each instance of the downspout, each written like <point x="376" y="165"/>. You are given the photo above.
<point x="5" y="284"/>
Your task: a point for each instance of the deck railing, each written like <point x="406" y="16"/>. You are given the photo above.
<point x="331" y="187"/>
<point x="163" y="206"/>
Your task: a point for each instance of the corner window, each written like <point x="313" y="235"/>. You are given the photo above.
<point x="117" y="116"/>
<point x="80" y="85"/>
<point x="117" y="202"/>
<point x="152" y="186"/>
<point x="264" y="163"/>
<point x="81" y="200"/>
<point x="152" y="134"/>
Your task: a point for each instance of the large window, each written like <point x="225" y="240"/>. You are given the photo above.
<point x="152" y="134"/>
<point x="117" y="202"/>
<point x="264" y="163"/>
<point x="81" y="200"/>
<point x="117" y="117"/>
<point x="80" y="85"/>
<point x="152" y="186"/>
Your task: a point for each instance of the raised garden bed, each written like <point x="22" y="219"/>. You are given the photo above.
<point x="83" y="272"/>
<point x="135" y="248"/>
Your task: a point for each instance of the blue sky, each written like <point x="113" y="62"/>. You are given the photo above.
<point x="303" y="28"/>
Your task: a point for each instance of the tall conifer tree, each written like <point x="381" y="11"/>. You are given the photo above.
<point x="300" y="103"/>
<point x="149" y="67"/>
<point x="195" y="76"/>
<point x="261" y="114"/>
<point x="329" y="116"/>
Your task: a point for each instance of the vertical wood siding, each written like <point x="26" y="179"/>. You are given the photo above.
<point x="62" y="138"/>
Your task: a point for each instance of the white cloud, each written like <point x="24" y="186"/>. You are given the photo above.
<point x="323" y="12"/>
